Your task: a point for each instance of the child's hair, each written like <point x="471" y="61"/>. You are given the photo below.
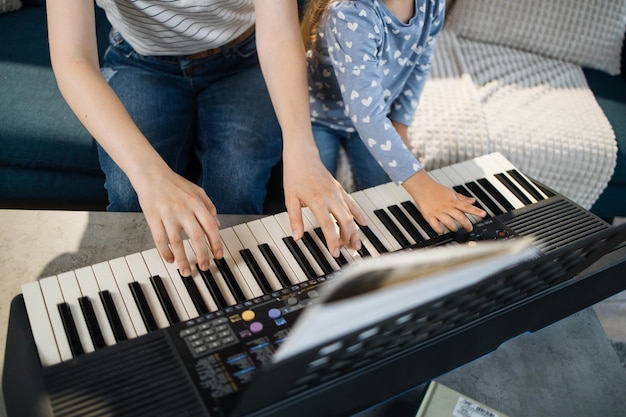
<point x="313" y="11"/>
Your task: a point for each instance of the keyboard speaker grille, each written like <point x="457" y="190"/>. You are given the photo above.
<point x="144" y="377"/>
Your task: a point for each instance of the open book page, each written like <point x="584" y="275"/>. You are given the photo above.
<point x="366" y="293"/>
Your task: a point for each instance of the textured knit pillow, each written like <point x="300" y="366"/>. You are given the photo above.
<point x="9" y="5"/>
<point x="584" y="32"/>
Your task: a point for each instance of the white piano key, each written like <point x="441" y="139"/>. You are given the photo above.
<point x="283" y="221"/>
<point x="40" y="325"/>
<point x="71" y="293"/>
<point x="90" y="288"/>
<point x="52" y="296"/>
<point x="217" y="276"/>
<point x="240" y="269"/>
<point x="173" y="285"/>
<point x="124" y="277"/>
<point x="276" y="232"/>
<point x="141" y="274"/>
<point x="498" y="162"/>
<point x="249" y="241"/>
<point x="195" y="274"/>
<point x="174" y="274"/>
<point x="367" y="207"/>
<point x="106" y="281"/>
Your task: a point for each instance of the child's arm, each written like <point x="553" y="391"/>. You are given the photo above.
<point x="307" y="182"/>
<point x="170" y="203"/>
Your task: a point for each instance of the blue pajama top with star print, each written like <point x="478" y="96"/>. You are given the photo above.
<point x="369" y="68"/>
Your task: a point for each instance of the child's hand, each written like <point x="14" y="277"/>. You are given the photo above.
<point x="440" y="205"/>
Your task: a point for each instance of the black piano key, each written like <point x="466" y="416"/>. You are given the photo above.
<point x="114" y="318"/>
<point x="164" y="299"/>
<point x="526" y="184"/>
<point x="194" y="294"/>
<point x="230" y="280"/>
<point x="406" y="223"/>
<point x="341" y="260"/>
<point x="273" y="262"/>
<point x="213" y="288"/>
<point x="513" y="188"/>
<point x="70" y="329"/>
<point x="310" y="244"/>
<point x="256" y="270"/>
<point x="493" y="191"/>
<point x="143" y="306"/>
<point x="92" y="322"/>
<point x="484" y="198"/>
<point x="393" y="229"/>
<point x="299" y="256"/>
<point x="412" y="209"/>
<point x="461" y="189"/>
<point x="371" y="236"/>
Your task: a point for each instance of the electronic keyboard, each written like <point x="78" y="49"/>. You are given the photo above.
<point x="132" y="337"/>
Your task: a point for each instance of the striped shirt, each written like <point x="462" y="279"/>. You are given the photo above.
<point x="178" y="27"/>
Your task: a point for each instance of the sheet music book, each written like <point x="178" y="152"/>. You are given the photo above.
<point x="363" y="294"/>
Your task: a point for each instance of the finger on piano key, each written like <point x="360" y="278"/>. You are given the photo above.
<point x="250" y="242"/>
<point x="401" y="236"/>
<point x="276" y="232"/>
<point x="117" y="286"/>
<point x="317" y="246"/>
<point x="89" y="288"/>
<point x="243" y="274"/>
<point x="443" y="179"/>
<point x="374" y="223"/>
<point x="212" y="281"/>
<point x="209" y="299"/>
<point x="43" y="334"/>
<point x="71" y="293"/>
<point x="489" y="205"/>
<point x="306" y="261"/>
<point x="141" y="275"/>
<point x="173" y="284"/>
<point x="347" y="255"/>
<point x="477" y="169"/>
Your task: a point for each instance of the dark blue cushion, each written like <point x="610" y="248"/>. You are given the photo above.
<point x="610" y="92"/>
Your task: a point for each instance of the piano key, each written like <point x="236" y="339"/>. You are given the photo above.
<point x="477" y="168"/>
<point x="500" y="164"/>
<point x="512" y="187"/>
<point x="387" y="218"/>
<point x="71" y="293"/>
<point x="277" y="279"/>
<point x="408" y="204"/>
<point x="173" y="284"/>
<point x="346" y="254"/>
<point x="206" y="281"/>
<point x="42" y="331"/>
<point x="276" y="232"/>
<point x="256" y="270"/>
<point x="374" y="223"/>
<point x="244" y="276"/>
<point x="394" y="196"/>
<point x="194" y="294"/>
<point x="142" y="275"/>
<point x="69" y="327"/>
<point x="164" y="299"/>
<point x="305" y="259"/>
<point x="53" y="297"/>
<point x="92" y="323"/>
<point x="316" y="240"/>
<point x="443" y="179"/>
<point x="89" y="288"/>
<point x="314" y="250"/>
<point x="377" y="247"/>
<point x="142" y="304"/>
<point x="115" y="277"/>
<point x="113" y="316"/>
<point x="230" y="280"/>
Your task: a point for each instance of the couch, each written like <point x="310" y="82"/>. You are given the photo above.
<point x="48" y="160"/>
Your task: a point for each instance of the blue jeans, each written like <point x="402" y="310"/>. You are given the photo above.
<point x="210" y="119"/>
<point x="366" y="170"/>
